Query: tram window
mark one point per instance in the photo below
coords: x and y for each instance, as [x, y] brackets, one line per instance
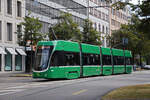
[106, 60]
[72, 58]
[128, 61]
[91, 59]
[57, 59]
[97, 60]
[85, 59]
[118, 60]
[115, 60]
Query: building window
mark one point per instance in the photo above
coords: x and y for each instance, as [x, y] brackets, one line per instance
[99, 14]
[8, 61]
[9, 31]
[0, 30]
[19, 9]
[103, 16]
[44, 28]
[99, 26]
[106, 30]
[19, 32]
[19, 28]
[113, 22]
[9, 7]
[18, 62]
[91, 11]
[95, 26]
[107, 18]
[103, 30]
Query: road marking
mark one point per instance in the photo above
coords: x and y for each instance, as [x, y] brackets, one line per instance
[79, 92]
[5, 92]
[30, 85]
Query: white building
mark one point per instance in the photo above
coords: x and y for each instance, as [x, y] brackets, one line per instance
[12, 56]
[99, 15]
[45, 10]
[118, 17]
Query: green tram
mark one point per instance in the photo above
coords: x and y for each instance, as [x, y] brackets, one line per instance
[70, 60]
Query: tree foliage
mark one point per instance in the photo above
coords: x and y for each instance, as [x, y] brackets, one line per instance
[142, 10]
[66, 29]
[138, 42]
[31, 31]
[138, 31]
[90, 35]
[144, 13]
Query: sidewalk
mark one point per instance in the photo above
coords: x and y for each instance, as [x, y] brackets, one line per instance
[21, 74]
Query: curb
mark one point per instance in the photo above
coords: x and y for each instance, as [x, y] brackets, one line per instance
[21, 75]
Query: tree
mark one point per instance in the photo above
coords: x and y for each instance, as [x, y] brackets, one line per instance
[30, 36]
[138, 41]
[31, 32]
[142, 11]
[66, 29]
[90, 35]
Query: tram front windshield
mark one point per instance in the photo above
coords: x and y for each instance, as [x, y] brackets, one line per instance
[42, 57]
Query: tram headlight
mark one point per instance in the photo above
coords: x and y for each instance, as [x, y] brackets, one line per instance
[52, 70]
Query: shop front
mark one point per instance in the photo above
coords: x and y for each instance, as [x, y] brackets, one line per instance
[12, 59]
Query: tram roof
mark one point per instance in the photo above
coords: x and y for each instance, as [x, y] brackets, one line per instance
[86, 48]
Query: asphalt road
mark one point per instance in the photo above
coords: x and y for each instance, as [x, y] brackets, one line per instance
[92, 88]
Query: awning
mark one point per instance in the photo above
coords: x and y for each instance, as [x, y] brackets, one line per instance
[12, 51]
[2, 51]
[21, 52]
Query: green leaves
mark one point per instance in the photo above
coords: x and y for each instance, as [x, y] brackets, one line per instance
[142, 10]
[138, 41]
[31, 31]
[66, 29]
[120, 4]
[90, 35]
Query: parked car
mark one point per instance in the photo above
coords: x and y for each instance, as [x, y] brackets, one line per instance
[146, 67]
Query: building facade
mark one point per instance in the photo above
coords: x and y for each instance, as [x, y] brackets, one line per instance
[12, 56]
[118, 17]
[99, 15]
[47, 10]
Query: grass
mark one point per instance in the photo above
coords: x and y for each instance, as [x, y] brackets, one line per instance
[137, 92]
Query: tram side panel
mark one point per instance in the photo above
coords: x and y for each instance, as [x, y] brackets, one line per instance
[128, 60]
[65, 60]
[118, 61]
[91, 60]
[106, 61]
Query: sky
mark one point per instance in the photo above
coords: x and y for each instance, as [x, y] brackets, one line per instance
[134, 1]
